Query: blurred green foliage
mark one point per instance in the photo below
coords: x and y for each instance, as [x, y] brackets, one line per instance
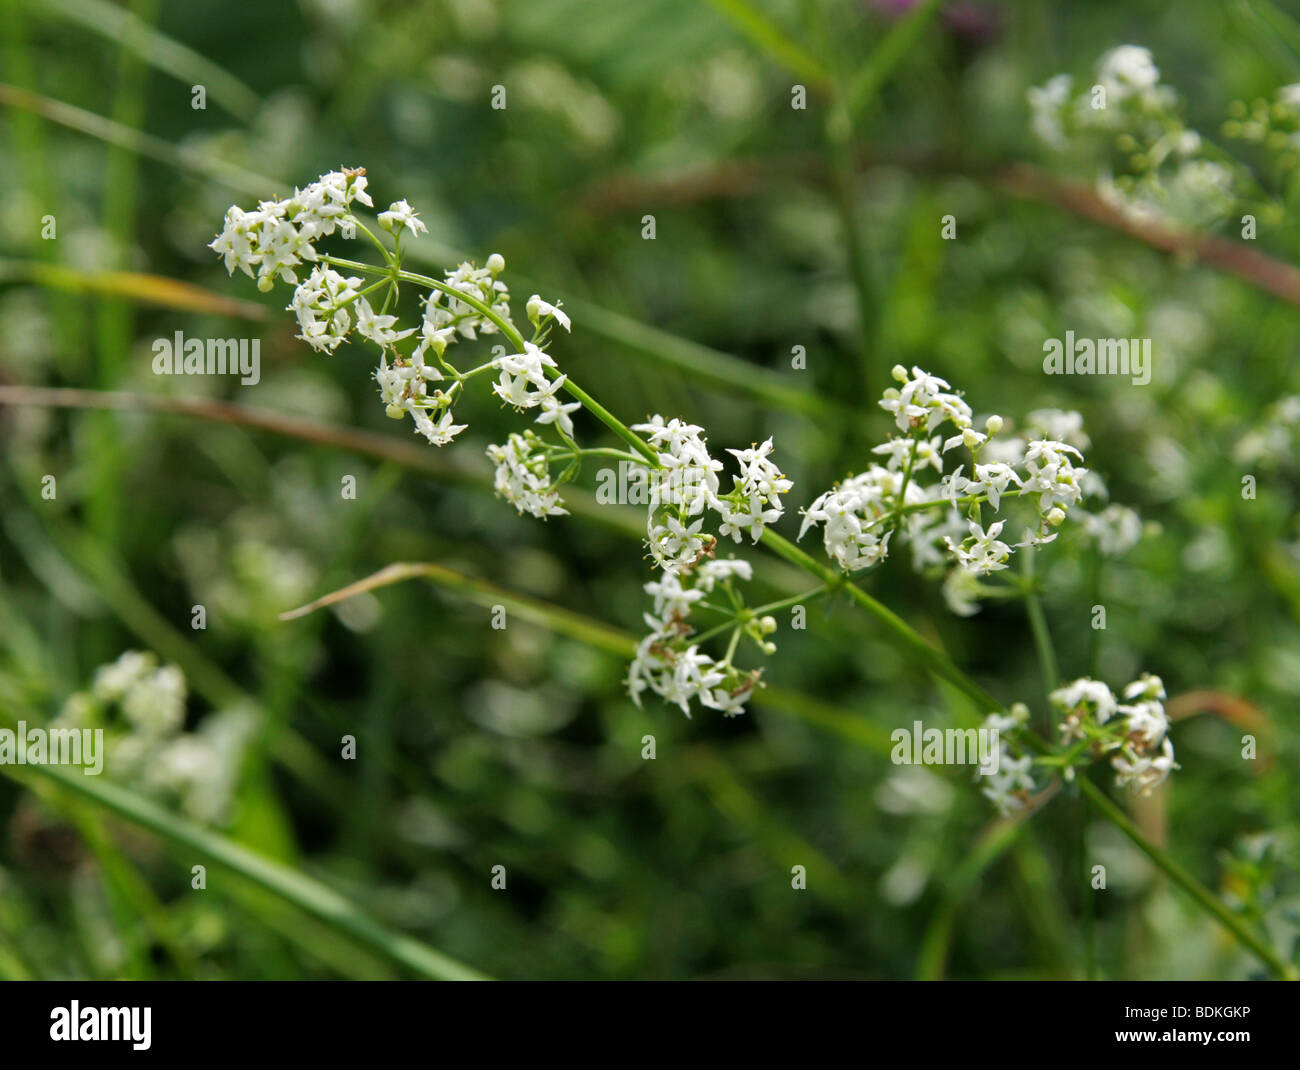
[478, 747]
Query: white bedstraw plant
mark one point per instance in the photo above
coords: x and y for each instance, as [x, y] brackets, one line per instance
[953, 519]
[1155, 165]
[1130, 732]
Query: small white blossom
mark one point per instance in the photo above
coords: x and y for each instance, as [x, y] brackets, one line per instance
[1143, 773]
[983, 552]
[524, 383]
[399, 215]
[553, 412]
[523, 476]
[538, 310]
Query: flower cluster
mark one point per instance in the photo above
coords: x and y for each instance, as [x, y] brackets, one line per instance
[444, 312]
[1156, 166]
[523, 476]
[1273, 439]
[685, 489]
[414, 376]
[140, 706]
[1115, 530]
[669, 662]
[940, 514]
[1132, 733]
[277, 236]
[1010, 787]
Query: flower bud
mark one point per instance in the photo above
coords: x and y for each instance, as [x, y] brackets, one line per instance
[496, 263]
[993, 424]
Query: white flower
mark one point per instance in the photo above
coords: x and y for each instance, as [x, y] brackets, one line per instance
[1127, 71]
[1141, 772]
[523, 476]
[155, 703]
[1059, 424]
[1147, 720]
[672, 600]
[1036, 538]
[279, 235]
[1084, 696]
[923, 402]
[439, 432]
[113, 681]
[321, 303]
[986, 553]
[749, 521]
[848, 512]
[755, 500]
[683, 487]
[759, 477]
[1147, 686]
[1009, 787]
[961, 591]
[1047, 107]
[668, 664]
[401, 386]
[1052, 474]
[523, 381]
[553, 412]
[921, 452]
[1116, 529]
[480, 284]
[993, 480]
[969, 437]
[538, 310]
[719, 570]
[399, 215]
[377, 328]
[674, 544]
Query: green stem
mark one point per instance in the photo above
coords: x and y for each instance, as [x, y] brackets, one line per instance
[837, 133]
[612, 422]
[1174, 870]
[517, 340]
[793, 600]
[1089, 904]
[1038, 625]
[899, 630]
[308, 895]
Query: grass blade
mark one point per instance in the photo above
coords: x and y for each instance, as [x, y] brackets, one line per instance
[151, 46]
[304, 892]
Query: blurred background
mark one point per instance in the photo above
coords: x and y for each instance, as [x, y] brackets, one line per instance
[776, 227]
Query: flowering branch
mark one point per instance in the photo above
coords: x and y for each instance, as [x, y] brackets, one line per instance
[1041, 468]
